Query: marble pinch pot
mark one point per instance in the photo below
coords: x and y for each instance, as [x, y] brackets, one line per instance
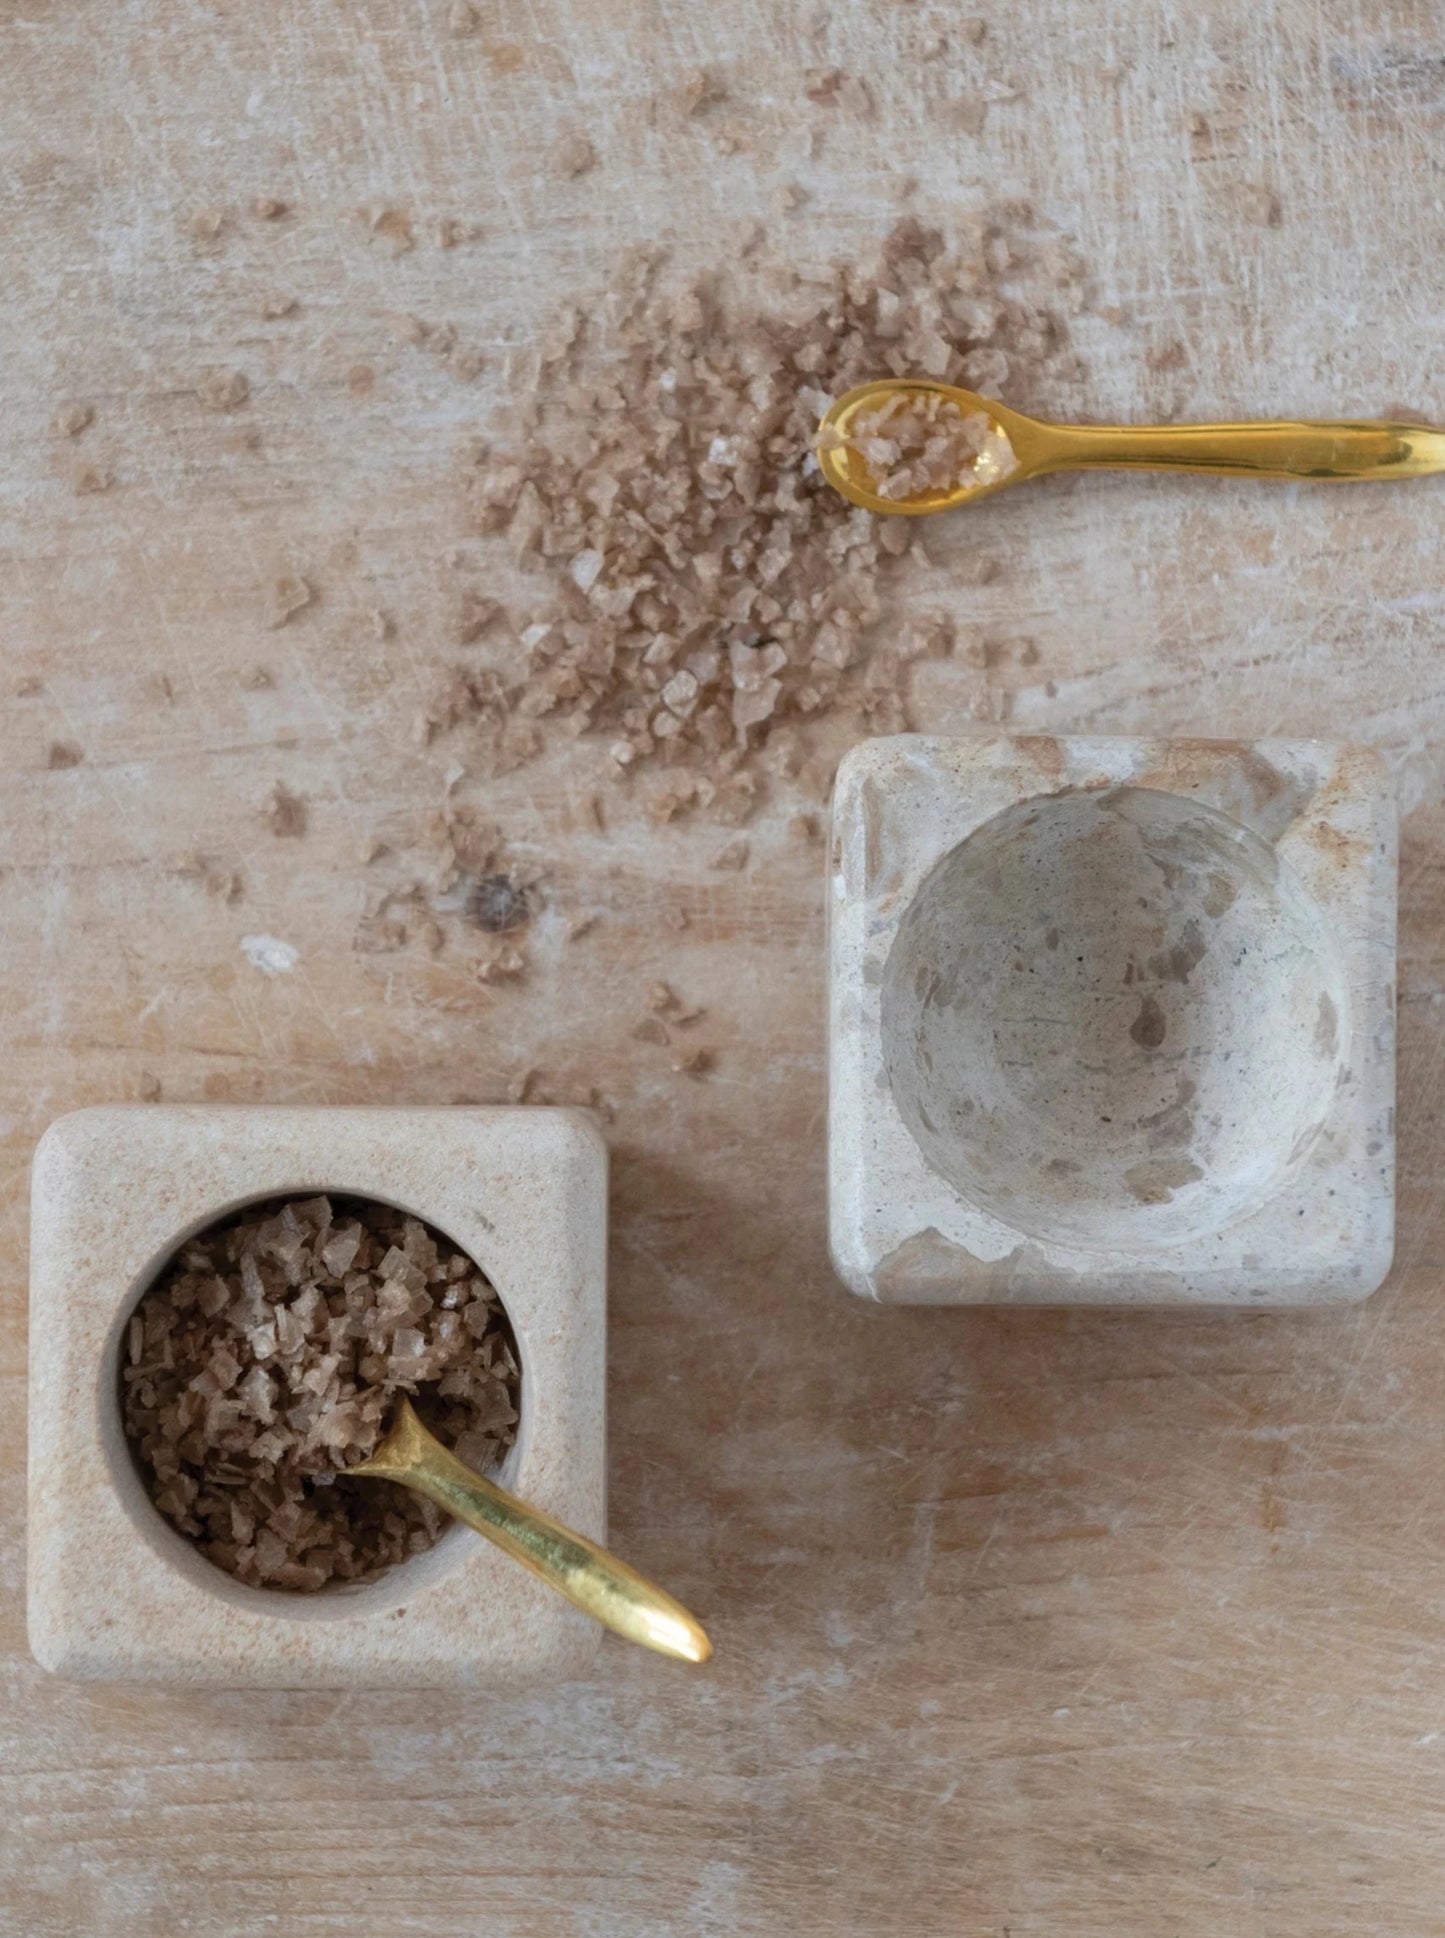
[1112, 1021]
[114, 1593]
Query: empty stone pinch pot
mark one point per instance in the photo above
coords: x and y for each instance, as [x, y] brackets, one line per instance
[115, 1592]
[1112, 1021]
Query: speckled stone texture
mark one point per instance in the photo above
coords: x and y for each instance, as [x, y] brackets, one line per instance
[114, 1593]
[1112, 1022]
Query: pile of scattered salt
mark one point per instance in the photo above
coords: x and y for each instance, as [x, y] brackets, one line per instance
[705, 585]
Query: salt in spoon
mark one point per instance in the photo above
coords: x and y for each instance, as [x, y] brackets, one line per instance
[1027, 447]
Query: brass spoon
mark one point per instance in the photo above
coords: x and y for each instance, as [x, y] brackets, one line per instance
[1281, 449]
[591, 1578]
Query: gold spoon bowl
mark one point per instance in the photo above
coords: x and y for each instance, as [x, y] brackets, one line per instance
[1278, 449]
[593, 1580]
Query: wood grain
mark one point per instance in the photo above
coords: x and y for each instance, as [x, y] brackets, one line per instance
[1026, 1623]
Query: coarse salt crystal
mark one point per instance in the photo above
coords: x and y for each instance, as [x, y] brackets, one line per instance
[680, 693]
[585, 570]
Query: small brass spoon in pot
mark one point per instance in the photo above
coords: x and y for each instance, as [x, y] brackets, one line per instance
[1280, 449]
[591, 1578]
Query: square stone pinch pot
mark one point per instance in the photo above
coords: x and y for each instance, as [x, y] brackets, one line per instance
[114, 1592]
[1112, 1022]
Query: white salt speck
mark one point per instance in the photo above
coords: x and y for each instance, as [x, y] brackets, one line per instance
[584, 570]
[681, 692]
[269, 954]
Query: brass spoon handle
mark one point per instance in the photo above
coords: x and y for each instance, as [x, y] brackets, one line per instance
[1280, 449]
[591, 1578]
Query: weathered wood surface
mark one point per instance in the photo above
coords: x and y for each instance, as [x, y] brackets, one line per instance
[1026, 1622]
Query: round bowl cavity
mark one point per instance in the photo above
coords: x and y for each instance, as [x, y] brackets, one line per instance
[389, 1590]
[1114, 1019]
